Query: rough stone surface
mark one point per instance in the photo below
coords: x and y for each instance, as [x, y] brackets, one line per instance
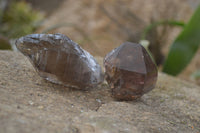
[130, 71]
[60, 60]
[30, 104]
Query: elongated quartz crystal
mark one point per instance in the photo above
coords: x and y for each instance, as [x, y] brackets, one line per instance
[60, 60]
[130, 71]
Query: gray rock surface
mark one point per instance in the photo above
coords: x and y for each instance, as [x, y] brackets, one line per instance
[30, 104]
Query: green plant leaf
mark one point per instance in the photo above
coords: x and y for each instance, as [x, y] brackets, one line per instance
[184, 47]
[158, 23]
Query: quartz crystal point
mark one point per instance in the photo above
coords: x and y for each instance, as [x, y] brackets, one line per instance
[60, 60]
[130, 71]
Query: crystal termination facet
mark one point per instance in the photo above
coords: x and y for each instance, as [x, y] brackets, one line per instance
[130, 71]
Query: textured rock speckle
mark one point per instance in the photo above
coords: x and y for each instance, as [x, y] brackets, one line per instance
[31, 104]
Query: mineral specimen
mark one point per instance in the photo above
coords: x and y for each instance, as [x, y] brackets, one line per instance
[130, 71]
[60, 60]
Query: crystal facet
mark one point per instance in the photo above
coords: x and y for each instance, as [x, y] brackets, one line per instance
[60, 60]
[130, 71]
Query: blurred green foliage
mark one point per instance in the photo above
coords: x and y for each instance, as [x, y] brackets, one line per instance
[196, 75]
[184, 47]
[19, 19]
[163, 22]
[4, 43]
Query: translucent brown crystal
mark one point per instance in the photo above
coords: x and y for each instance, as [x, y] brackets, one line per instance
[60, 60]
[130, 71]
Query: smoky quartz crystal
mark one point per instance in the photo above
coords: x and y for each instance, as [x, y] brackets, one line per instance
[60, 60]
[130, 71]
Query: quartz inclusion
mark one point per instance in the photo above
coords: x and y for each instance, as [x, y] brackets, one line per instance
[60, 60]
[130, 71]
